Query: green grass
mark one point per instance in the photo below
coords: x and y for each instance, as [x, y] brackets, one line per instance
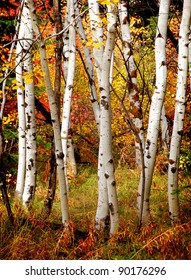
[34, 237]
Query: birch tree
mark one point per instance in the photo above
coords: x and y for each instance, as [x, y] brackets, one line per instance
[21, 113]
[143, 196]
[69, 84]
[107, 197]
[57, 87]
[30, 122]
[135, 106]
[179, 113]
[97, 35]
[189, 55]
[26, 178]
[54, 115]
[89, 68]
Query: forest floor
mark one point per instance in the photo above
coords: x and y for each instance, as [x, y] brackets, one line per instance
[37, 238]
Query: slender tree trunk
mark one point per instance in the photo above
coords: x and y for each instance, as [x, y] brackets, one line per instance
[66, 41]
[107, 200]
[179, 113]
[102, 213]
[57, 85]
[71, 166]
[30, 177]
[58, 51]
[69, 86]
[189, 56]
[21, 114]
[154, 114]
[54, 117]
[89, 69]
[97, 35]
[135, 105]
[3, 188]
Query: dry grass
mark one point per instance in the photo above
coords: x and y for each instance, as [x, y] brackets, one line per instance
[33, 237]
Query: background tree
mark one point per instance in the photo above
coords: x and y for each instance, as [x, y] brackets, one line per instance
[57, 91]
[134, 93]
[54, 117]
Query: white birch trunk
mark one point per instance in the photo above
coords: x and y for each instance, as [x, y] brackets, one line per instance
[30, 177]
[107, 183]
[71, 166]
[69, 87]
[179, 113]
[135, 106]
[154, 114]
[21, 115]
[54, 117]
[97, 35]
[66, 41]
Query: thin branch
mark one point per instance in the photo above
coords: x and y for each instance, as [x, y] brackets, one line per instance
[67, 27]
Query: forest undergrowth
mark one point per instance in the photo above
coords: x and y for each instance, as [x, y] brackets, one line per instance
[34, 237]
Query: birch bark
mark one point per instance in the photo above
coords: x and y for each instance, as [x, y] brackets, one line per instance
[97, 35]
[54, 116]
[69, 87]
[107, 198]
[179, 113]
[189, 55]
[30, 177]
[21, 114]
[102, 213]
[143, 196]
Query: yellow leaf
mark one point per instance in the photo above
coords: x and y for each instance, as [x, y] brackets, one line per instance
[28, 77]
[88, 44]
[104, 21]
[96, 45]
[15, 87]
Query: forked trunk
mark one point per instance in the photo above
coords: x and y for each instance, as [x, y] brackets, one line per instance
[54, 116]
[143, 196]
